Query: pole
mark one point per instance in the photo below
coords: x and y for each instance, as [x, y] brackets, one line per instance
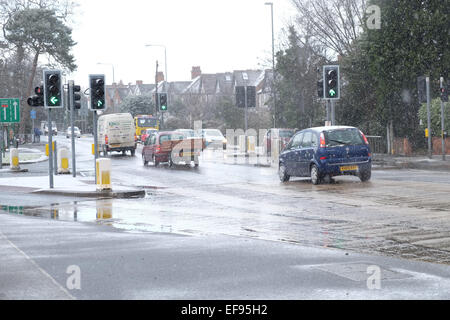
[95, 144]
[50, 148]
[55, 158]
[442, 122]
[1, 146]
[430, 151]
[156, 93]
[72, 107]
[333, 114]
[246, 120]
[273, 67]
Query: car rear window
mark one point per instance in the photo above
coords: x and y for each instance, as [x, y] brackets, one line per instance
[171, 137]
[339, 137]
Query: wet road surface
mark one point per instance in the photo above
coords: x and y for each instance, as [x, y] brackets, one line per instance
[401, 213]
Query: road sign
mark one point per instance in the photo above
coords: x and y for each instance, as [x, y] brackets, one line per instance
[33, 114]
[10, 110]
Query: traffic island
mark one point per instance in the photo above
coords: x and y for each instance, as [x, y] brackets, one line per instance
[117, 193]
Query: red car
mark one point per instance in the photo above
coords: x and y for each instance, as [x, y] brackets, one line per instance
[146, 133]
[284, 135]
[159, 147]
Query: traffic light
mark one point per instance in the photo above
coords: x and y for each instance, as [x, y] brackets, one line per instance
[97, 89]
[331, 76]
[251, 97]
[444, 92]
[163, 101]
[240, 97]
[53, 89]
[38, 99]
[320, 88]
[76, 97]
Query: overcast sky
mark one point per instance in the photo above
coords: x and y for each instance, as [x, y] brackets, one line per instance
[217, 35]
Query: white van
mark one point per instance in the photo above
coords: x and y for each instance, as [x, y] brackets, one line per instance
[116, 132]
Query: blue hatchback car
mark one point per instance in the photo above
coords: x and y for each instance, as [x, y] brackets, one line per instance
[324, 152]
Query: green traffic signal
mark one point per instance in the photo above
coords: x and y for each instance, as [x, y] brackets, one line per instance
[332, 93]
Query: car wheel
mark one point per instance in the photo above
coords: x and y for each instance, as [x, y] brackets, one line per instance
[133, 152]
[315, 178]
[365, 175]
[282, 173]
[170, 161]
[154, 161]
[145, 162]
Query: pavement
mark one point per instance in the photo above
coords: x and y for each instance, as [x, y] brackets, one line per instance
[64, 184]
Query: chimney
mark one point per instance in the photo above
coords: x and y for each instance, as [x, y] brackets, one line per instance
[139, 82]
[195, 72]
[160, 76]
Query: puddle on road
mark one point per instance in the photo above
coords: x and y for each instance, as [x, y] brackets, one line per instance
[151, 214]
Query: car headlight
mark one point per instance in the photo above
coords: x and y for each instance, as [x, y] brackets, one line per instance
[224, 140]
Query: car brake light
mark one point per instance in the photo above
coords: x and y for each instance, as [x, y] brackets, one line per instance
[106, 139]
[369, 154]
[323, 158]
[158, 149]
[322, 140]
[135, 137]
[364, 137]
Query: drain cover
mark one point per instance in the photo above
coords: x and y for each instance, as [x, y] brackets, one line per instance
[358, 271]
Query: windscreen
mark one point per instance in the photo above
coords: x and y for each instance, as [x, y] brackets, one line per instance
[147, 122]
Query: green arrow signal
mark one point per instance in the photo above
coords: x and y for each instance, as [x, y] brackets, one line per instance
[54, 100]
[332, 92]
[99, 103]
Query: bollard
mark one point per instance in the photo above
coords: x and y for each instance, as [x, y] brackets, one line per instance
[14, 159]
[251, 143]
[103, 174]
[104, 209]
[63, 161]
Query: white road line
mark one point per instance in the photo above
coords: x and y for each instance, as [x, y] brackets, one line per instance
[39, 268]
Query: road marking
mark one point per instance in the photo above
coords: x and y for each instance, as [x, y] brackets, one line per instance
[2, 235]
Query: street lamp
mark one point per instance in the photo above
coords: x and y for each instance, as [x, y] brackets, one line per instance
[273, 66]
[109, 64]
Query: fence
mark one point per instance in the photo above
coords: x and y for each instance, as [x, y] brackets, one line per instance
[377, 144]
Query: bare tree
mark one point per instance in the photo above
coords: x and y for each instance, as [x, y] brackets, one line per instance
[333, 24]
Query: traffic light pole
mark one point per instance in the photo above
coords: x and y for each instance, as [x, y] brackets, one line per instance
[72, 107]
[50, 148]
[442, 122]
[95, 145]
[333, 113]
[246, 121]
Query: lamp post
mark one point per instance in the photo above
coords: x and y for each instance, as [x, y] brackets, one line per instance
[273, 66]
[165, 57]
[165, 76]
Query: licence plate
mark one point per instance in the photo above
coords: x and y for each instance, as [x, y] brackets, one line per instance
[187, 154]
[349, 168]
[114, 145]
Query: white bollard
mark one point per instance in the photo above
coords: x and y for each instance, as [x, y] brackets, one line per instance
[242, 144]
[103, 174]
[63, 161]
[14, 159]
[252, 144]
